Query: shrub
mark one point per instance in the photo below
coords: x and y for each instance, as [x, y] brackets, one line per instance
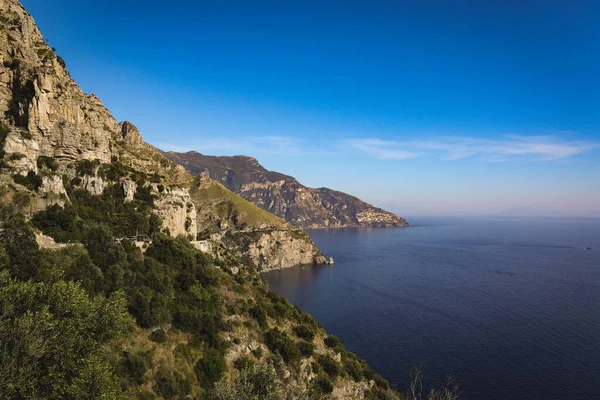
[304, 332]
[60, 223]
[87, 167]
[242, 363]
[329, 365]
[32, 181]
[136, 365]
[279, 342]
[210, 367]
[354, 369]
[170, 383]
[381, 382]
[323, 384]
[55, 359]
[158, 336]
[332, 342]
[258, 352]
[306, 348]
[257, 382]
[49, 162]
[258, 313]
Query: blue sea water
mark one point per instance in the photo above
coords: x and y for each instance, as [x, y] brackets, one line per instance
[510, 307]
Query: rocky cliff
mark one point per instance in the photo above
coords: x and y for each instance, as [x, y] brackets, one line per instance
[284, 196]
[256, 236]
[55, 133]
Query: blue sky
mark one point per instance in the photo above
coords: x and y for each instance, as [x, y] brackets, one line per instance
[423, 107]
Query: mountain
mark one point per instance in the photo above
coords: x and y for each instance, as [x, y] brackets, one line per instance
[122, 276]
[284, 196]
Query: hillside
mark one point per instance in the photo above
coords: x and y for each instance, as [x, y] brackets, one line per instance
[284, 196]
[87, 313]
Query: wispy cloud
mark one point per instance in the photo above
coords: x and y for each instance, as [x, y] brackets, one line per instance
[507, 148]
[248, 145]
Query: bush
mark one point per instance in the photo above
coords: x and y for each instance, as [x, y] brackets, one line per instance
[381, 382]
[354, 369]
[158, 336]
[243, 362]
[49, 162]
[32, 181]
[323, 384]
[332, 342]
[62, 224]
[279, 342]
[136, 365]
[257, 382]
[170, 383]
[87, 167]
[258, 313]
[304, 332]
[54, 333]
[211, 367]
[306, 348]
[329, 365]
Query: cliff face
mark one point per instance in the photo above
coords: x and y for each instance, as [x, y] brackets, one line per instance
[284, 196]
[51, 121]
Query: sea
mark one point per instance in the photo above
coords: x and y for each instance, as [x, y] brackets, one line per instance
[509, 307]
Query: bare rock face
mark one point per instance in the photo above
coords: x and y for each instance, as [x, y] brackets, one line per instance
[94, 184]
[129, 187]
[53, 184]
[21, 152]
[39, 95]
[178, 212]
[131, 135]
[269, 249]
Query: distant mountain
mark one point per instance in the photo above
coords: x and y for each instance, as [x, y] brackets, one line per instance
[284, 196]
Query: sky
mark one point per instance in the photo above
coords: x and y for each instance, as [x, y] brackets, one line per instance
[422, 107]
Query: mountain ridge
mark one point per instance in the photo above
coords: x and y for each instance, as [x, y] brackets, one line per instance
[284, 196]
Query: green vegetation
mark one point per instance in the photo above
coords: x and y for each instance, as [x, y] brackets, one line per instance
[280, 343]
[47, 162]
[256, 382]
[230, 206]
[31, 181]
[158, 336]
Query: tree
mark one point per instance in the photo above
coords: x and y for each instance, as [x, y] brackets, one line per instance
[21, 247]
[52, 337]
[154, 224]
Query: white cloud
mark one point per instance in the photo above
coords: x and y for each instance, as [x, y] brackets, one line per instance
[507, 148]
[248, 145]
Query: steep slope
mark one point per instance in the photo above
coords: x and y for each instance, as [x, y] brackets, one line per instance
[51, 121]
[284, 196]
[103, 318]
[256, 236]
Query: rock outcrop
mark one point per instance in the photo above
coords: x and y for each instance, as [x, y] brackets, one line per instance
[257, 237]
[178, 212]
[284, 196]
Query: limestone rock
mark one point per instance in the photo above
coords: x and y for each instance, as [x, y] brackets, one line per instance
[93, 184]
[53, 184]
[177, 211]
[18, 146]
[129, 187]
